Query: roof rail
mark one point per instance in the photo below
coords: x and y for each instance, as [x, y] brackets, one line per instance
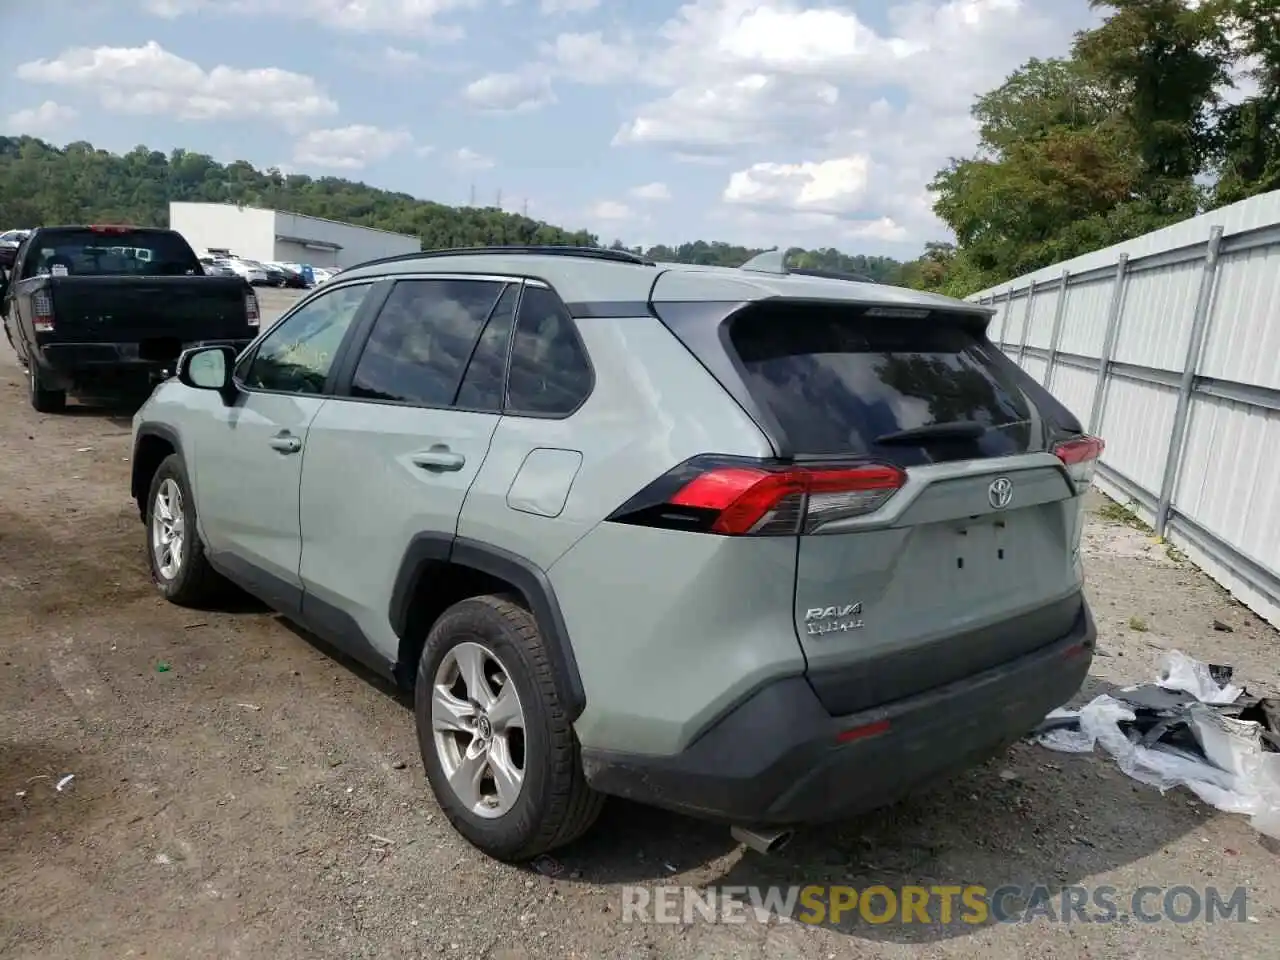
[551, 250]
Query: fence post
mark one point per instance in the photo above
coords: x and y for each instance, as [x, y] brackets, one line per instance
[1058, 312]
[1109, 343]
[1195, 344]
[1004, 317]
[1026, 320]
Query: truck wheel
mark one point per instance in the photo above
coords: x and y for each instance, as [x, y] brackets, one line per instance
[44, 401]
[500, 755]
[179, 567]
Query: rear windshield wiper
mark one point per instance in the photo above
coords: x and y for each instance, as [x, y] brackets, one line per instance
[960, 430]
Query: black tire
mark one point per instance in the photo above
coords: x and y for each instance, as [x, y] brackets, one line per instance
[196, 583]
[555, 805]
[42, 400]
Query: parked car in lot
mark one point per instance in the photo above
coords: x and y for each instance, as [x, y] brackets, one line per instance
[216, 268]
[248, 270]
[290, 275]
[760, 547]
[322, 274]
[10, 240]
[276, 276]
[106, 310]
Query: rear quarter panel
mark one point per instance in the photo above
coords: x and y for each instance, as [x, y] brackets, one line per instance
[665, 627]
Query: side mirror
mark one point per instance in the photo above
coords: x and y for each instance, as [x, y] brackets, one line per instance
[208, 368]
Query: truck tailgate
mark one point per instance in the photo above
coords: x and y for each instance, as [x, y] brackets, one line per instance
[133, 309]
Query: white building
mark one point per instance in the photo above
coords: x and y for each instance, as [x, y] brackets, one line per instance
[267, 235]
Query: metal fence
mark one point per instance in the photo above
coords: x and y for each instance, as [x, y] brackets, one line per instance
[1168, 347]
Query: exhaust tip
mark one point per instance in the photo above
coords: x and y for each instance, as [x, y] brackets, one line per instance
[762, 841]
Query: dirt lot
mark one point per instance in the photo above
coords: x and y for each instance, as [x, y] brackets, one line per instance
[239, 792]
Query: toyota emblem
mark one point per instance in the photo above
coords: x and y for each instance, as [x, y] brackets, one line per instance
[1000, 492]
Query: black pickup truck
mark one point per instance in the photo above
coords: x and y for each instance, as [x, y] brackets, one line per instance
[104, 311]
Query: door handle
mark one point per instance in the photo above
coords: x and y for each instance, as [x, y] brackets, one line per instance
[285, 443]
[439, 458]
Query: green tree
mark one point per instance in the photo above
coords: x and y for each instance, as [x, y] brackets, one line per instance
[40, 184]
[1247, 155]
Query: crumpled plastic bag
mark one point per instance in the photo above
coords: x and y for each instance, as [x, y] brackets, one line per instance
[1237, 775]
[1180, 672]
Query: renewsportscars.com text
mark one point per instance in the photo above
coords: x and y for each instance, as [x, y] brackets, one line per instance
[971, 904]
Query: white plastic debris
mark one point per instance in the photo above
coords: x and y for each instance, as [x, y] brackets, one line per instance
[1065, 739]
[62, 784]
[1185, 674]
[1235, 775]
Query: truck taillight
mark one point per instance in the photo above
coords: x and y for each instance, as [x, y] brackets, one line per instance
[251, 315]
[753, 498]
[42, 311]
[1080, 455]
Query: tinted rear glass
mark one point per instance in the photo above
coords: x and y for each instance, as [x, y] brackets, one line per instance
[91, 253]
[836, 380]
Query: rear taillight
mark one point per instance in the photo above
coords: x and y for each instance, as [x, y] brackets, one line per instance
[1080, 456]
[42, 311]
[749, 498]
[251, 315]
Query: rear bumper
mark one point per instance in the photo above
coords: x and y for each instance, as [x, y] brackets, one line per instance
[65, 365]
[776, 759]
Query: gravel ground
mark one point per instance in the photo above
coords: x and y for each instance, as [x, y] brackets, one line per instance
[241, 792]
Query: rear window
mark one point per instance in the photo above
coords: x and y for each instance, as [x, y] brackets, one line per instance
[94, 253]
[838, 382]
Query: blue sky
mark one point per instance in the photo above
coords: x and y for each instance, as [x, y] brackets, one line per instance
[752, 121]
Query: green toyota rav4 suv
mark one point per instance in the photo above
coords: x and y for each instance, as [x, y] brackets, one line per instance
[757, 545]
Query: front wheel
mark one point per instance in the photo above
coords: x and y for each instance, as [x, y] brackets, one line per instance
[499, 752]
[179, 567]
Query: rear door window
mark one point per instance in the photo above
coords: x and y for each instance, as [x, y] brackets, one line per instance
[486, 375]
[422, 341]
[843, 383]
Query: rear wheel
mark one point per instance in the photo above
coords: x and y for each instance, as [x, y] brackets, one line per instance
[499, 752]
[44, 401]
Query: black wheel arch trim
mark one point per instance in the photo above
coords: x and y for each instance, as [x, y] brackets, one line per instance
[147, 429]
[530, 580]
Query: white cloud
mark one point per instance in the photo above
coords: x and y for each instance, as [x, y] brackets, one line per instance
[828, 186]
[554, 7]
[611, 210]
[589, 58]
[151, 80]
[510, 92]
[420, 17]
[398, 59]
[792, 91]
[651, 191]
[46, 118]
[467, 159]
[752, 109]
[349, 148]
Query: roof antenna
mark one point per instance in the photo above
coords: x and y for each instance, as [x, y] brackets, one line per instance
[770, 261]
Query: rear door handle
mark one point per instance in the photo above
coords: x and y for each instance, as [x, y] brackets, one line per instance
[285, 443]
[439, 458]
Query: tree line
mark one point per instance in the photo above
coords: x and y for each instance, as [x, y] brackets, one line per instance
[1140, 126]
[43, 184]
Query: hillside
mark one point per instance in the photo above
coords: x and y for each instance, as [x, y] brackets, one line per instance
[40, 183]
